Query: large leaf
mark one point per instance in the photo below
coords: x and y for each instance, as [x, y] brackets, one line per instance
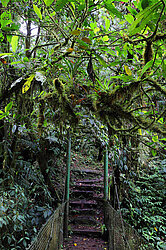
[110, 7]
[107, 24]
[60, 4]
[14, 43]
[129, 18]
[132, 11]
[27, 84]
[101, 60]
[8, 107]
[142, 18]
[127, 70]
[5, 19]
[2, 116]
[37, 11]
[122, 77]
[6, 54]
[147, 66]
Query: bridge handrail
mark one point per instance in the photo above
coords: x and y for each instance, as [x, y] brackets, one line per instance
[122, 235]
[50, 236]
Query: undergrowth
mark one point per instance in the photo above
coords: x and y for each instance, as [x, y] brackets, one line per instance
[25, 198]
[144, 205]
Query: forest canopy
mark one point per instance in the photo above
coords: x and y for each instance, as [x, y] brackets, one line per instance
[107, 57]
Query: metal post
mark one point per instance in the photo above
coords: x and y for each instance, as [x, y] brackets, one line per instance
[67, 187]
[106, 190]
[106, 174]
[68, 167]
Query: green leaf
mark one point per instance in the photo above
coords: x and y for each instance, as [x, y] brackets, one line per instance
[155, 138]
[105, 38]
[24, 243]
[13, 63]
[101, 60]
[14, 43]
[6, 54]
[154, 153]
[2, 116]
[27, 84]
[48, 2]
[9, 38]
[5, 19]
[60, 4]
[132, 11]
[110, 7]
[107, 24]
[142, 18]
[15, 26]
[8, 107]
[147, 66]
[163, 139]
[5, 2]
[12, 27]
[1, 36]
[122, 77]
[25, 59]
[129, 18]
[37, 11]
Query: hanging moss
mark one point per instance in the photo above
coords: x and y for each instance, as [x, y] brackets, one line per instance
[58, 99]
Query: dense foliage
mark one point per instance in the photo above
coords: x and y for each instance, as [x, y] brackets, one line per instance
[145, 208]
[142, 192]
[97, 68]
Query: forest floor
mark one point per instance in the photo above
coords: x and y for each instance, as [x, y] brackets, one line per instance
[86, 219]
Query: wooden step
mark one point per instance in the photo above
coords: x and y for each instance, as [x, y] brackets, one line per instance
[96, 233]
[90, 181]
[83, 203]
[84, 220]
[88, 186]
[82, 193]
[87, 171]
[83, 211]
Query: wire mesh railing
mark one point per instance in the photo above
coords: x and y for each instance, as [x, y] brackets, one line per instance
[121, 235]
[50, 236]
